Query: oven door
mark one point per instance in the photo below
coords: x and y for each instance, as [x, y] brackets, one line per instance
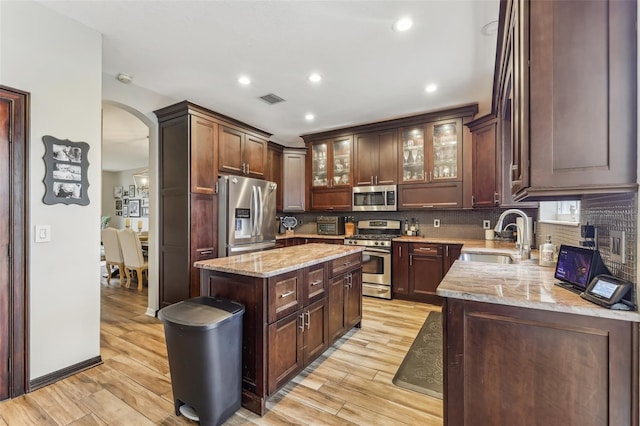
[376, 266]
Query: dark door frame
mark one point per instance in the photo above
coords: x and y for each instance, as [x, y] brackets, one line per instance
[18, 274]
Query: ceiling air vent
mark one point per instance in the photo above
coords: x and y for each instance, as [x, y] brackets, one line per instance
[271, 99]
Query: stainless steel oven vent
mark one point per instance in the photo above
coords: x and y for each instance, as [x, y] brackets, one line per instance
[271, 99]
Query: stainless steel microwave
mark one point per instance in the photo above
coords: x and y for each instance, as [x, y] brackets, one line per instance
[375, 198]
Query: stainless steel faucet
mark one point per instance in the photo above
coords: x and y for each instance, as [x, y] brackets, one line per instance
[525, 246]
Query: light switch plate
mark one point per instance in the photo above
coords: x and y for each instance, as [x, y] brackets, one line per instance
[42, 233]
[617, 246]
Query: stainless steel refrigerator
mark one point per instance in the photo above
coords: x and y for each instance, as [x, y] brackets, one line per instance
[247, 208]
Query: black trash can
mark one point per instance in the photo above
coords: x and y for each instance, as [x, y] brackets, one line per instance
[204, 344]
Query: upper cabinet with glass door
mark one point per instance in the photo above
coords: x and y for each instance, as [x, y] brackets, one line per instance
[331, 163]
[432, 153]
[445, 148]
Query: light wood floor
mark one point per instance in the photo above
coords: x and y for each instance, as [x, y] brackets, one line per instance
[349, 384]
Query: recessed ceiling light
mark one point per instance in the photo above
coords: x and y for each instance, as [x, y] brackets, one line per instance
[309, 117]
[403, 24]
[244, 80]
[315, 77]
[431, 88]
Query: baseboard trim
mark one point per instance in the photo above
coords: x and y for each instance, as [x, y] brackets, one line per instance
[63, 373]
[151, 312]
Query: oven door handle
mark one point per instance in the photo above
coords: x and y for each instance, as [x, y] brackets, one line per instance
[374, 250]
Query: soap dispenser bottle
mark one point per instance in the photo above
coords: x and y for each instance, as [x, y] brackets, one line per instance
[547, 253]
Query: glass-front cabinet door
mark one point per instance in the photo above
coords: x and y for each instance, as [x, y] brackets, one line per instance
[413, 155]
[331, 163]
[445, 150]
[319, 170]
[341, 162]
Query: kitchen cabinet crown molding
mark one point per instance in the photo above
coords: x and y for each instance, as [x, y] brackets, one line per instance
[439, 115]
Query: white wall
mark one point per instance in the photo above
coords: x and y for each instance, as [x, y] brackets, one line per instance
[59, 62]
[124, 179]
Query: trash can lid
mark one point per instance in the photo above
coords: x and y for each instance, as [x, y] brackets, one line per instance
[201, 312]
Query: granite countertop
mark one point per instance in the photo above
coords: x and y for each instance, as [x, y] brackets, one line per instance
[269, 263]
[524, 284]
[304, 235]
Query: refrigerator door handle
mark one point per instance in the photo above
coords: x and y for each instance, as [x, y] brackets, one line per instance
[254, 211]
[260, 211]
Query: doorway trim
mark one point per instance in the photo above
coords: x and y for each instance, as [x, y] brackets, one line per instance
[18, 276]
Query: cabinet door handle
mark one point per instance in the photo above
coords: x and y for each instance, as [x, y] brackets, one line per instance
[373, 182]
[288, 293]
[308, 320]
[315, 283]
[410, 260]
[302, 321]
[447, 248]
[248, 170]
[473, 200]
[400, 251]
[429, 175]
[496, 198]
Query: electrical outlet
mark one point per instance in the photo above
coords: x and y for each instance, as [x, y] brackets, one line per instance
[617, 246]
[436, 223]
[486, 224]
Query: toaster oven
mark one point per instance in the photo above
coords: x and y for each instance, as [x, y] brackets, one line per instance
[330, 225]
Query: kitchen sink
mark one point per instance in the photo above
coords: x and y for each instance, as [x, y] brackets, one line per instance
[485, 257]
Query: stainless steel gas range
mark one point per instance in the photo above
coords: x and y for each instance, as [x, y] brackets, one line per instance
[376, 236]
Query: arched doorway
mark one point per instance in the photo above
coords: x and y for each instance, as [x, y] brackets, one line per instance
[129, 135]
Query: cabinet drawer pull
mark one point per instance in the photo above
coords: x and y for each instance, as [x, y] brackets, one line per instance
[206, 252]
[346, 264]
[288, 293]
[315, 283]
[424, 249]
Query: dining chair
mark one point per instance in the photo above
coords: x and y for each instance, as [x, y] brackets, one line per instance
[133, 258]
[113, 253]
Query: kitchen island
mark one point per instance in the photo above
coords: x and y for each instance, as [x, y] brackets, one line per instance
[520, 350]
[298, 301]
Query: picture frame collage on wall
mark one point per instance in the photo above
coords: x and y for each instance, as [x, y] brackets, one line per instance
[66, 166]
[131, 201]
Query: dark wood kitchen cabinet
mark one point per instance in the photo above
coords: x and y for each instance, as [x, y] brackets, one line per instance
[345, 295]
[376, 158]
[485, 162]
[188, 214]
[274, 173]
[451, 254]
[569, 136]
[507, 365]
[417, 270]
[330, 174]
[287, 319]
[242, 152]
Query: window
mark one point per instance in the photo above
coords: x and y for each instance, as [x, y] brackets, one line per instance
[561, 212]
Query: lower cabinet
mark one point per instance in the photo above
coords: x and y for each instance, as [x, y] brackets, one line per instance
[345, 303]
[290, 319]
[419, 267]
[506, 365]
[295, 341]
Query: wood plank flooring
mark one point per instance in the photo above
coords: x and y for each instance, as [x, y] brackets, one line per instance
[350, 384]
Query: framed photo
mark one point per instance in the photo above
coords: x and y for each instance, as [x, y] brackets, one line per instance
[117, 191]
[145, 202]
[125, 193]
[132, 191]
[119, 213]
[134, 208]
[145, 211]
[125, 201]
[125, 211]
[144, 193]
[65, 179]
[118, 205]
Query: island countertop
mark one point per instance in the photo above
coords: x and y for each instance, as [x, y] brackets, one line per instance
[524, 284]
[274, 262]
